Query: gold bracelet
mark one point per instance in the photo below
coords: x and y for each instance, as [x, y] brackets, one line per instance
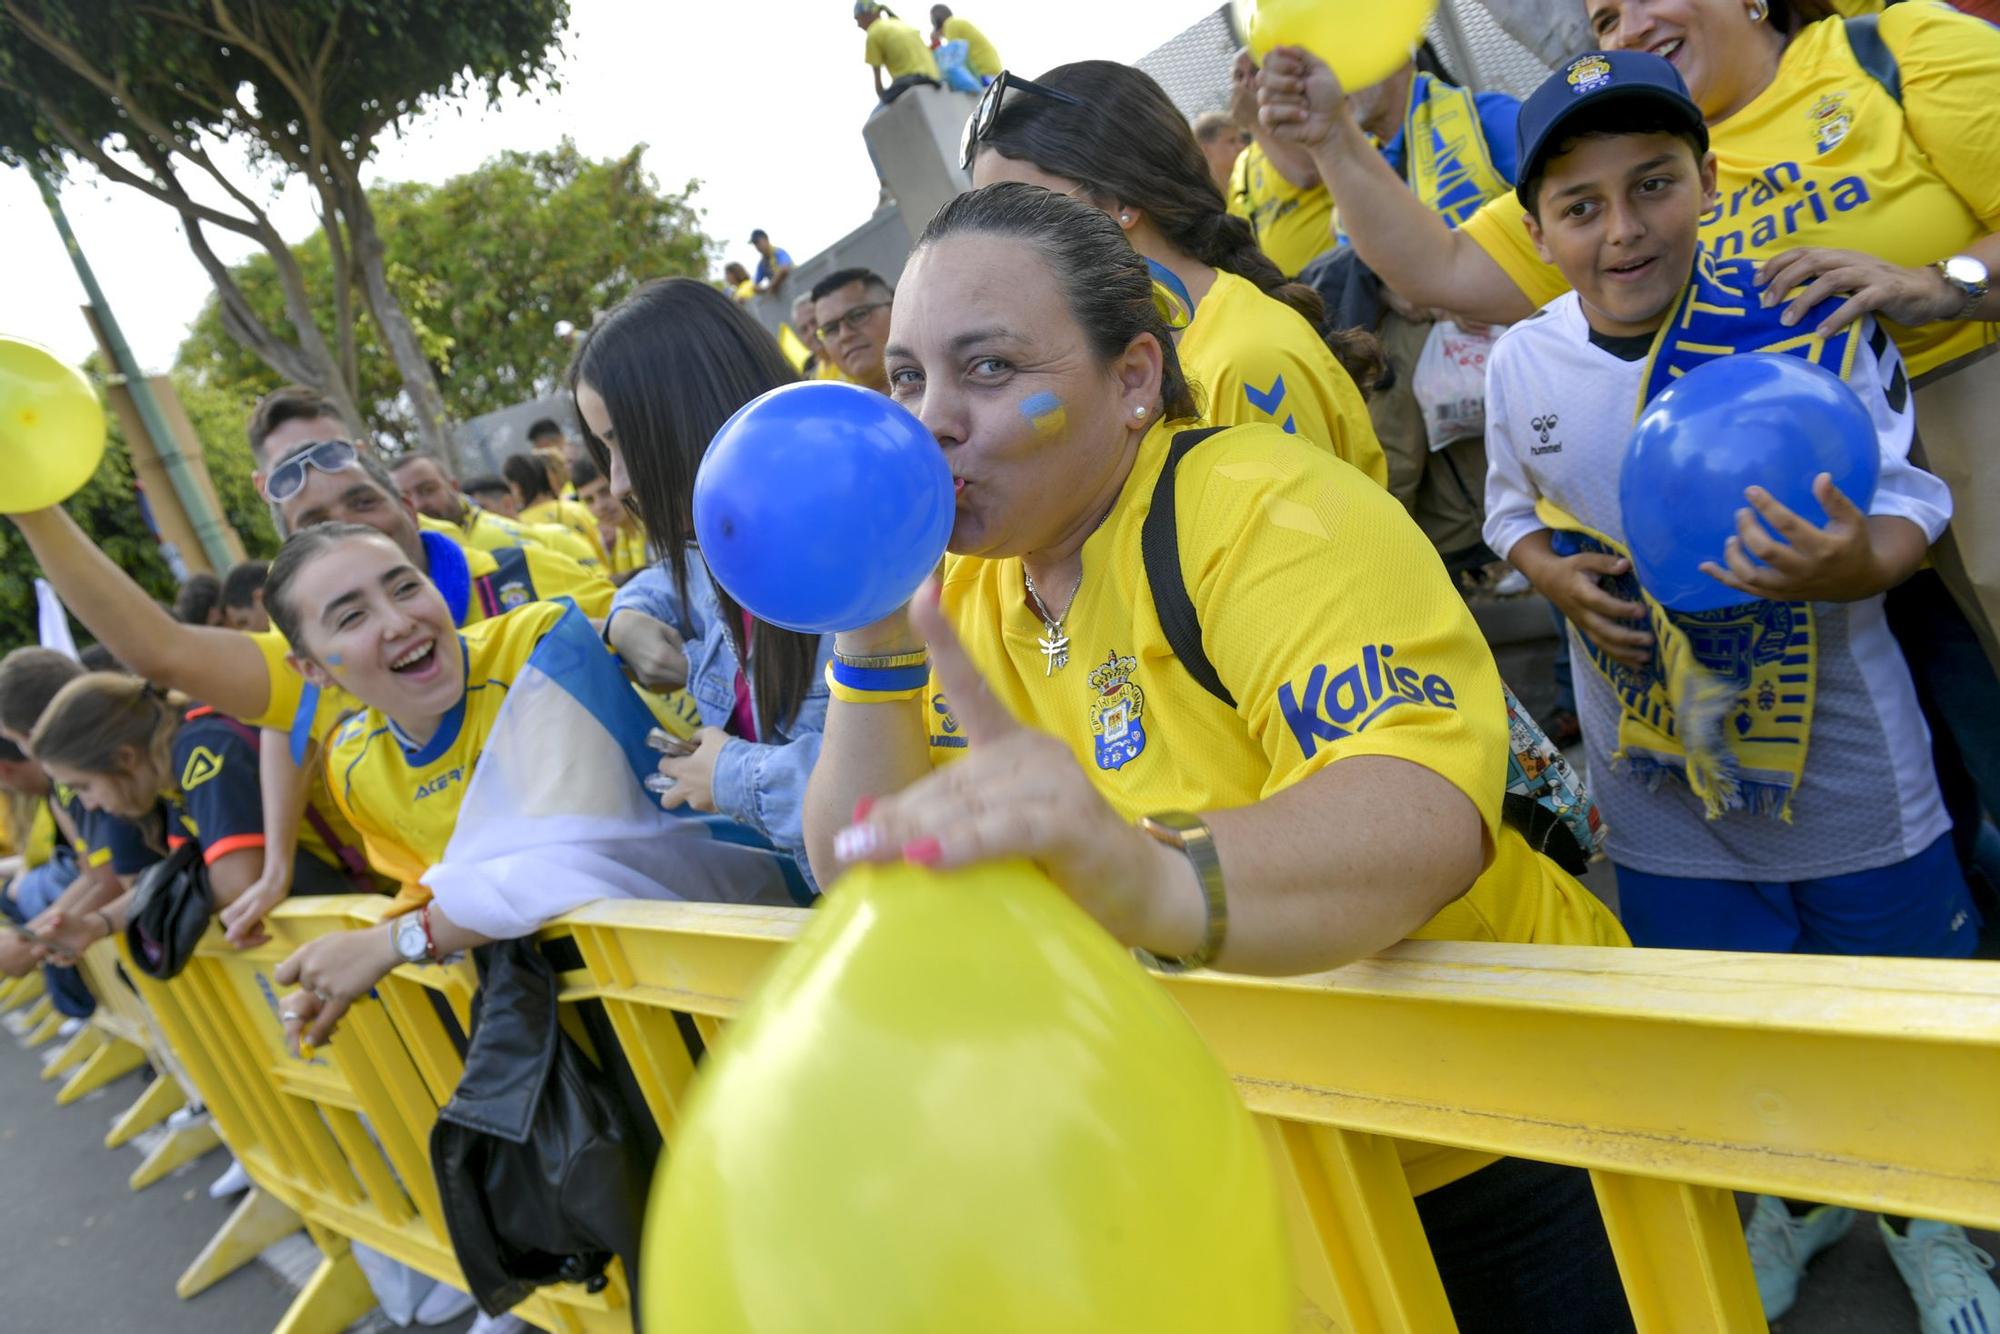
[880, 661]
[1188, 834]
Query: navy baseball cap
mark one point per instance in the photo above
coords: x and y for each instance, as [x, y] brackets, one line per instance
[1583, 88]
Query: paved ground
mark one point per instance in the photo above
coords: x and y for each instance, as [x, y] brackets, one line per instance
[86, 1255]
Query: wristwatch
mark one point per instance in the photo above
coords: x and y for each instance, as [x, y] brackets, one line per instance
[413, 943]
[1188, 834]
[1967, 276]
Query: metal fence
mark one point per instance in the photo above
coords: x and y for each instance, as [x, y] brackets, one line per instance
[1194, 66]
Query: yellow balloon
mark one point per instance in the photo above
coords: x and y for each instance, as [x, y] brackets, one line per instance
[51, 428]
[1365, 41]
[956, 1104]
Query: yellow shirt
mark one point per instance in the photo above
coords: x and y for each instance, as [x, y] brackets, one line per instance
[405, 801]
[895, 46]
[1255, 359]
[1825, 157]
[1331, 621]
[576, 518]
[40, 844]
[628, 553]
[826, 368]
[1293, 225]
[980, 57]
[483, 530]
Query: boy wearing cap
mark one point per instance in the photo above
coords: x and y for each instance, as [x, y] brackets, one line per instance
[1763, 770]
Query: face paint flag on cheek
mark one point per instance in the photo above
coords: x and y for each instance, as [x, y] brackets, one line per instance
[1045, 413]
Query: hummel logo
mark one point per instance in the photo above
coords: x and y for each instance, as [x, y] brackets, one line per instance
[1544, 425]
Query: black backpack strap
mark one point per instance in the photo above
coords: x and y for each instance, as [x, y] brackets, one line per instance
[1864, 34]
[1160, 550]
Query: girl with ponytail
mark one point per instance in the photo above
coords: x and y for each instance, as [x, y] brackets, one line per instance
[178, 772]
[1107, 135]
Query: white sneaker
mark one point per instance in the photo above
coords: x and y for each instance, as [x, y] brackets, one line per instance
[442, 1305]
[508, 1323]
[232, 1182]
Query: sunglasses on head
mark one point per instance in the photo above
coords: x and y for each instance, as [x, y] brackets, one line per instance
[981, 123]
[289, 478]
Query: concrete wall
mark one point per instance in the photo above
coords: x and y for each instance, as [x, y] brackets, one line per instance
[484, 442]
[914, 142]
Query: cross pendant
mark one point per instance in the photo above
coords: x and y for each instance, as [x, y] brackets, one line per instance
[1055, 650]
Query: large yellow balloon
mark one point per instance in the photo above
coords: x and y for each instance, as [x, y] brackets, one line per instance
[956, 1105]
[1365, 41]
[51, 428]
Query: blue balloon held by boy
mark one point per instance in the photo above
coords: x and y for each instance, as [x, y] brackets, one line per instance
[821, 507]
[1759, 419]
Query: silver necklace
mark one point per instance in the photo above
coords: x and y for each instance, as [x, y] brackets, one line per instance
[1054, 644]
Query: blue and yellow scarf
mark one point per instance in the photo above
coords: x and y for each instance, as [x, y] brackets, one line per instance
[1444, 148]
[1726, 703]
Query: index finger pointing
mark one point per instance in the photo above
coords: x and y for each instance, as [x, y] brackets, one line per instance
[965, 690]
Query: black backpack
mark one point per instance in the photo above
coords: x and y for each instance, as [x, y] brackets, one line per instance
[1546, 799]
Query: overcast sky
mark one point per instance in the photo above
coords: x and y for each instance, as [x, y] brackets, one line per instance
[763, 104]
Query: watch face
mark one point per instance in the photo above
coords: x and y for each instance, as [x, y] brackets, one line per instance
[410, 941]
[1965, 270]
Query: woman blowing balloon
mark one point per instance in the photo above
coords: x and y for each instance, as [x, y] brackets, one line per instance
[1108, 135]
[654, 382]
[1340, 793]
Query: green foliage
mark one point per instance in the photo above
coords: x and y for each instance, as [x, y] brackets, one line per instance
[485, 264]
[237, 67]
[108, 509]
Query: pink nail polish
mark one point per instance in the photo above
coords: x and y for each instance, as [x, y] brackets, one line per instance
[923, 851]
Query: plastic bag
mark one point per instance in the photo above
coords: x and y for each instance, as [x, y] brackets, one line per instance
[1450, 383]
[958, 76]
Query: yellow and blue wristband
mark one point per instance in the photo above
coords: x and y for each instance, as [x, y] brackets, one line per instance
[878, 680]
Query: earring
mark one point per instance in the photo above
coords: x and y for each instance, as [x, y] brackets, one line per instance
[1138, 412]
[1759, 10]
[1125, 219]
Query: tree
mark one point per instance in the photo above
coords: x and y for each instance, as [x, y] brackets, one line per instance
[108, 509]
[485, 264]
[146, 92]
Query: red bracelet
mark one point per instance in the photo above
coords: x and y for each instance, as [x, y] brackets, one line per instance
[430, 941]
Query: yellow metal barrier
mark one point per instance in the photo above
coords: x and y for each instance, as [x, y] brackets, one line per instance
[1675, 1078]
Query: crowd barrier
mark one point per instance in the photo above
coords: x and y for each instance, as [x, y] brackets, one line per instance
[1674, 1077]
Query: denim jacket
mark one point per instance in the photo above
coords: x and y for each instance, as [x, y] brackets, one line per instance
[761, 784]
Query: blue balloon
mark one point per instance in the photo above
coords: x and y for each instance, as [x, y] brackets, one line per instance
[1758, 419]
[821, 506]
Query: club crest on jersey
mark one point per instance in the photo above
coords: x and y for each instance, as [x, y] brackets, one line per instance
[1831, 120]
[514, 594]
[1333, 706]
[1116, 708]
[1586, 73]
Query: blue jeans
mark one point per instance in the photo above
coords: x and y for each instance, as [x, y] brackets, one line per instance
[1960, 696]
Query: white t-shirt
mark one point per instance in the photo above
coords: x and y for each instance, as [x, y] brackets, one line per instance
[1559, 411]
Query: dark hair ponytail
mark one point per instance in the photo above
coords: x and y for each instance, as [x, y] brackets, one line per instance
[673, 362]
[1126, 141]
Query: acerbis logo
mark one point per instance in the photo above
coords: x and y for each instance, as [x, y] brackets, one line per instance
[432, 787]
[1334, 706]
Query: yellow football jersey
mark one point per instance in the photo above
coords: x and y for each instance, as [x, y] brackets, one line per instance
[896, 47]
[980, 56]
[628, 553]
[483, 530]
[1826, 157]
[1252, 359]
[1330, 619]
[404, 799]
[575, 518]
[1293, 225]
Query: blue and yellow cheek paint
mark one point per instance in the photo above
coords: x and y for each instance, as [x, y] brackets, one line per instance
[1046, 414]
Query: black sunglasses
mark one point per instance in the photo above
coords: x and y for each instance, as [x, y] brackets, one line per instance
[289, 478]
[981, 122]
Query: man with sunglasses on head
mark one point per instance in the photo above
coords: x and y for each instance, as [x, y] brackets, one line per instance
[852, 307]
